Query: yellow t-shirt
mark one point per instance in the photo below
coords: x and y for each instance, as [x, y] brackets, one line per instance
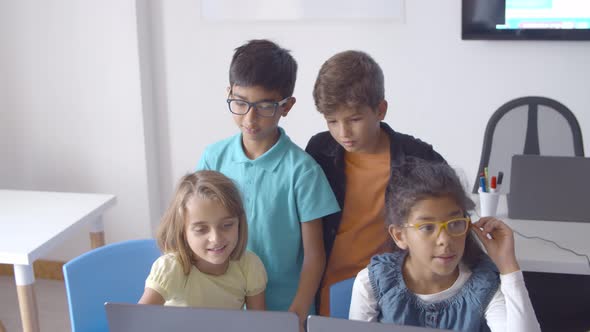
[244, 277]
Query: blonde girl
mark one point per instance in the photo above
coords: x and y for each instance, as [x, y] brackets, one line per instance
[203, 235]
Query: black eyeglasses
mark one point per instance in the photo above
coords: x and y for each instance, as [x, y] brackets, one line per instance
[263, 108]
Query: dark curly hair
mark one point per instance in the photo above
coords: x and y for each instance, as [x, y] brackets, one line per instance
[416, 180]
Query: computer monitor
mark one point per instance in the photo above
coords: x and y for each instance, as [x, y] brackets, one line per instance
[551, 188]
[526, 19]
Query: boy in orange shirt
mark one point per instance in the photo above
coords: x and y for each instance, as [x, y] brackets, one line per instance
[357, 154]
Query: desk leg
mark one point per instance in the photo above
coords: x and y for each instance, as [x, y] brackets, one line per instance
[25, 282]
[97, 233]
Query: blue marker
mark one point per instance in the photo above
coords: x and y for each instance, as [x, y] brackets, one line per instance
[482, 184]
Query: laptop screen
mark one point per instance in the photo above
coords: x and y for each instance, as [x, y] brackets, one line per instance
[549, 188]
[125, 317]
[327, 324]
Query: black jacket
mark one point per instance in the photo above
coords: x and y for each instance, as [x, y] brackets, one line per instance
[330, 155]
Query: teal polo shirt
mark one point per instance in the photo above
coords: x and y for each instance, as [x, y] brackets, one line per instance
[280, 189]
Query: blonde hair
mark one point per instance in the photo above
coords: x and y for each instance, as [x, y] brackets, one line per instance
[171, 235]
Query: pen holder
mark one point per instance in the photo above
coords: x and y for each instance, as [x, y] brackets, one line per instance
[488, 203]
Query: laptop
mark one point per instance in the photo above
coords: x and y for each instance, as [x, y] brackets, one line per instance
[549, 188]
[127, 317]
[327, 324]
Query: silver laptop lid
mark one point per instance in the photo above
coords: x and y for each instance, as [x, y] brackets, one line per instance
[327, 324]
[126, 317]
[549, 188]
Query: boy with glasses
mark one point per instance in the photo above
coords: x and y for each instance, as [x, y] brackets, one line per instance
[285, 191]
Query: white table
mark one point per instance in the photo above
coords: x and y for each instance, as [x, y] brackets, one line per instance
[34, 222]
[535, 255]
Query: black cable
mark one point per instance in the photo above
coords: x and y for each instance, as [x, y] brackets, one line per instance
[555, 244]
[547, 240]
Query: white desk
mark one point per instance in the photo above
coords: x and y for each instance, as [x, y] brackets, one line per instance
[32, 223]
[536, 255]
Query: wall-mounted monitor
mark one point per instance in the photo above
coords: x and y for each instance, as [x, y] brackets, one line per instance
[526, 19]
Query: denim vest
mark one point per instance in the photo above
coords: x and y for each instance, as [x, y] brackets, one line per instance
[462, 312]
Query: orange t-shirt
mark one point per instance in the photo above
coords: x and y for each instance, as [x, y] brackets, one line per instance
[362, 232]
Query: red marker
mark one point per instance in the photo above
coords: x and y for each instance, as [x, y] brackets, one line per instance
[493, 185]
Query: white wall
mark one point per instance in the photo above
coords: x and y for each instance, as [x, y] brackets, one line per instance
[122, 96]
[439, 88]
[71, 111]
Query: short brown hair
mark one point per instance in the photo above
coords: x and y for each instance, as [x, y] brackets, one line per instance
[349, 78]
[203, 184]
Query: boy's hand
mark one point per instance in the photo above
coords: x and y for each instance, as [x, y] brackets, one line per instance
[301, 313]
[500, 246]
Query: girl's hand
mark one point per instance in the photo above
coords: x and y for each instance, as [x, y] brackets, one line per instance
[500, 246]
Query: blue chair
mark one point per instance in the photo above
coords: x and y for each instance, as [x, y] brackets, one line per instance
[340, 295]
[113, 273]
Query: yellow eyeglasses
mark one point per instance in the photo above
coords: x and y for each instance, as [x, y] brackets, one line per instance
[454, 227]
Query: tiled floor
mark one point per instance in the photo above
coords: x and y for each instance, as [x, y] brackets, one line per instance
[51, 302]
